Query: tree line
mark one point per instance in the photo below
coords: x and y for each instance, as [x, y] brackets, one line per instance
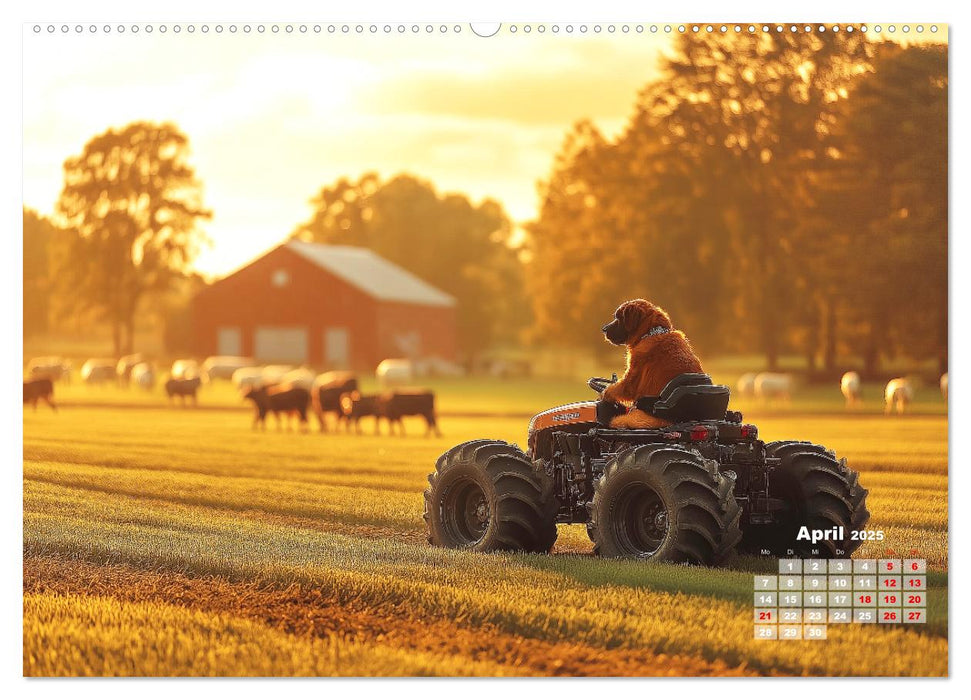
[777, 191]
[785, 193]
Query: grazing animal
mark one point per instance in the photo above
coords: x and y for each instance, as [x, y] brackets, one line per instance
[96, 371]
[299, 377]
[852, 389]
[772, 385]
[125, 365]
[184, 388]
[899, 393]
[223, 366]
[326, 394]
[291, 400]
[355, 406]
[273, 374]
[247, 377]
[54, 368]
[143, 376]
[394, 372]
[656, 354]
[39, 389]
[746, 385]
[185, 369]
[944, 385]
[397, 404]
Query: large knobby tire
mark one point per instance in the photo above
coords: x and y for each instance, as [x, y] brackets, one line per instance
[486, 495]
[820, 492]
[664, 503]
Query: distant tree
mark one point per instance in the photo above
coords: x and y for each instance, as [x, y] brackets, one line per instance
[461, 248]
[700, 203]
[135, 203]
[39, 239]
[887, 189]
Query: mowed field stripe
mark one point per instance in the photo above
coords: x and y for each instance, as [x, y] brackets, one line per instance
[518, 594]
[304, 612]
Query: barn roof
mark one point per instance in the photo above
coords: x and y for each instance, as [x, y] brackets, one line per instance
[371, 273]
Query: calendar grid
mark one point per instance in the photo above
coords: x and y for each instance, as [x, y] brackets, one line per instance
[809, 595]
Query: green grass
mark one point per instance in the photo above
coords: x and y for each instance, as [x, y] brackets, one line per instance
[197, 492]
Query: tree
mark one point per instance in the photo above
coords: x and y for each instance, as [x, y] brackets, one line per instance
[700, 203]
[135, 203]
[39, 238]
[888, 190]
[459, 247]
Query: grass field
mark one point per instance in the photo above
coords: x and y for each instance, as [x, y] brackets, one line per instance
[168, 541]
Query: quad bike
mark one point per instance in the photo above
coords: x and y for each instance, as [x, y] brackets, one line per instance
[693, 491]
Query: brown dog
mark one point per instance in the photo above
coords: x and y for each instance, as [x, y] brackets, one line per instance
[656, 354]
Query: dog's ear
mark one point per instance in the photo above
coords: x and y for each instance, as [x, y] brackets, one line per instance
[631, 313]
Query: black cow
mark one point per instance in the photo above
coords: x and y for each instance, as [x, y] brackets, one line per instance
[186, 388]
[40, 389]
[327, 391]
[354, 406]
[397, 404]
[291, 400]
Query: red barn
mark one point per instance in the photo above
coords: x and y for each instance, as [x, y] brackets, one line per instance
[328, 306]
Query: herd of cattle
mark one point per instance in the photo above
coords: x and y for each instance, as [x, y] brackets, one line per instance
[897, 395]
[296, 392]
[282, 390]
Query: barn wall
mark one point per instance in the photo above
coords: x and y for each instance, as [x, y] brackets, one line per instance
[400, 323]
[313, 299]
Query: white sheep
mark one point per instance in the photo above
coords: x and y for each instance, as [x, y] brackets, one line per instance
[851, 387]
[143, 375]
[300, 377]
[99, 371]
[899, 393]
[185, 369]
[273, 374]
[746, 385]
[772, 385]
[223, 366]
[394, 372]
[247, 377]
[944, 385]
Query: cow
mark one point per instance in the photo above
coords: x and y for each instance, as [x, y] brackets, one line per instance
[326, 394]
[185, 388]
[416, 402]
[291, 400]
[355, 406]
[53, 368]
[39, 389]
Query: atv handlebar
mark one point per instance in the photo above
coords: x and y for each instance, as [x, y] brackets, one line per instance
[598, 384]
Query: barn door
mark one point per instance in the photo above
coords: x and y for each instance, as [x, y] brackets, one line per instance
[229, 341]
[337, 348]
[280, 344]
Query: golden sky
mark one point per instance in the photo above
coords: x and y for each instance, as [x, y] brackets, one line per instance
[273, 117]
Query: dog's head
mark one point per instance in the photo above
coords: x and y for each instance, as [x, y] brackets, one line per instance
[633, 319]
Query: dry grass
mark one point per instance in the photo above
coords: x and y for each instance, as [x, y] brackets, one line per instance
[169, 498]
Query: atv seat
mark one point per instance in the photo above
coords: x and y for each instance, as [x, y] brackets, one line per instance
[689, 396]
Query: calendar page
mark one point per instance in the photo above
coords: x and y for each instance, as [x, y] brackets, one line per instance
[414, 347]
